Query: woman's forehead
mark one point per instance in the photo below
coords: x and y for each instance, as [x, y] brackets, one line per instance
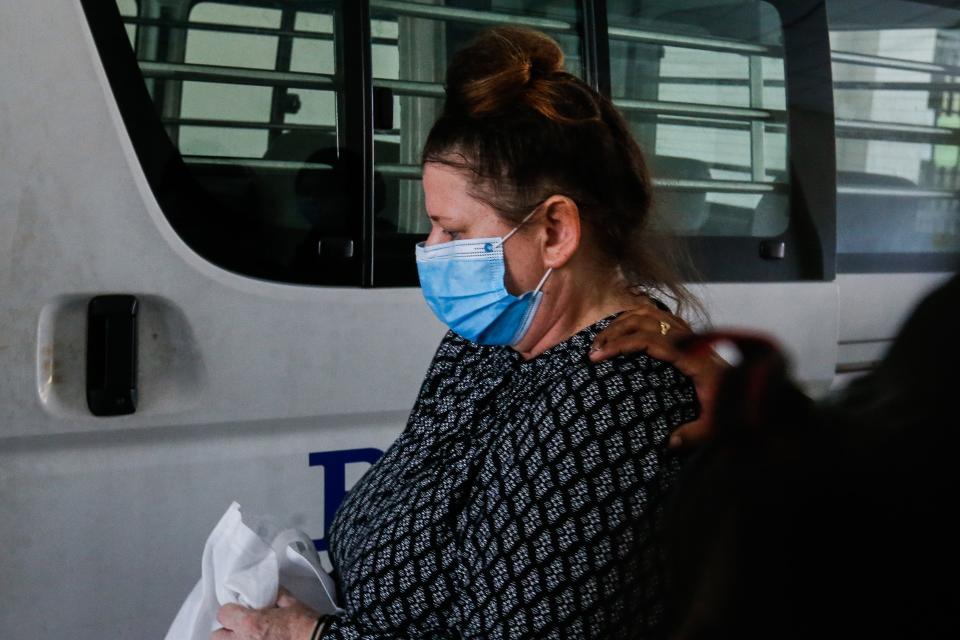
[447, 195]
[442, 179]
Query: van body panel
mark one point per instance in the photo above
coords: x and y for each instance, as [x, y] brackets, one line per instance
[800, 316]
[88, 225]
[240, 380]
[104, 531]
[874, 305]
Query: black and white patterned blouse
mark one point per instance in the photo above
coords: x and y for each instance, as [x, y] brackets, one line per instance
[521, 501]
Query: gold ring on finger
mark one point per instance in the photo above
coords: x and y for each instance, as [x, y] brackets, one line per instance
[664, 327]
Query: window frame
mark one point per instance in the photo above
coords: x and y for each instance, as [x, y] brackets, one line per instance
[901, 262]
[810, 237]
[178, 193]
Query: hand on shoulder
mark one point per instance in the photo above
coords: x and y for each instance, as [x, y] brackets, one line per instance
[658, 333]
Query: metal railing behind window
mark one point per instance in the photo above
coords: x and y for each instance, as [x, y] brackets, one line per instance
[474, 16]
[236, 75]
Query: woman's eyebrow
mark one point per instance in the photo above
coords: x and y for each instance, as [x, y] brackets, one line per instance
[436, 218]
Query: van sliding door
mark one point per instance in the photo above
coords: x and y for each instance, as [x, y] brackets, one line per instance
[731, 100]
[895, 69]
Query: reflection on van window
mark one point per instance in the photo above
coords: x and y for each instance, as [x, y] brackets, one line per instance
[228, 101]
[247, 92]
[897, 104]
[129, 8]
[703, 88]
[412, 43]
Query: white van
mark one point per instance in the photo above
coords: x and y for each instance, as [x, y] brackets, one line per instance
[207, 218]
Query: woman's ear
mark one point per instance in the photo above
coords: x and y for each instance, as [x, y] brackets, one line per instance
[561, 221]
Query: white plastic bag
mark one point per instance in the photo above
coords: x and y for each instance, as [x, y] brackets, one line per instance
[247, 567]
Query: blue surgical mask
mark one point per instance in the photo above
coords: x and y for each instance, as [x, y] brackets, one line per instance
[463, 283]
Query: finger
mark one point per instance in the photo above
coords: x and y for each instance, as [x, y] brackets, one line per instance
[701, 429]
[678, 322]
[231, 616]
[653, 345]
[651, 311]
[693, 433]
[698, 367]
[624, 325]
[652, 322]
[705, 370]
[648, 340]
[286, 600]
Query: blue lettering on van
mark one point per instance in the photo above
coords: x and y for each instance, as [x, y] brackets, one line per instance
[334, 465]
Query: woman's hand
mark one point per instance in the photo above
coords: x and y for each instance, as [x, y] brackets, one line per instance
[289, 620]
[641, 329]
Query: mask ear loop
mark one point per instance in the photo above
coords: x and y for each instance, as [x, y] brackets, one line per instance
[517, 228]
[513, 231]
[543, 279]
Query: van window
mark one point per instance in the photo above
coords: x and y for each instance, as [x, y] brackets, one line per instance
[282, 149]
[128, 9]
[247, 93]
[897, 104]
[702, 85]
[731, 101]
[411, 45]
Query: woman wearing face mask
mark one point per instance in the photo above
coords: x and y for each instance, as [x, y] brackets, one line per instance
[523, 498]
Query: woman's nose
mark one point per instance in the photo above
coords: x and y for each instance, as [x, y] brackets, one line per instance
[436, 237]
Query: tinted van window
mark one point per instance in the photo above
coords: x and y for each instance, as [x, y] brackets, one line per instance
[703, 88]
[897, 104]
[249, 96]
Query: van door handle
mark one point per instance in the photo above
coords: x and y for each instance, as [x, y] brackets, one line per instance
[112, 355]
[335, 247]
[773, 249]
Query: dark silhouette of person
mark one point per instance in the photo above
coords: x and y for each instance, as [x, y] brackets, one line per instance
[831, 519]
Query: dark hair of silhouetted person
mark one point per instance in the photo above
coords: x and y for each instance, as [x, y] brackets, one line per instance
[835, 519]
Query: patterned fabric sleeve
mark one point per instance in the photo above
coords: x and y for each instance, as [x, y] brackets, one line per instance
[553, 535]
[345, 628]
[558, 540]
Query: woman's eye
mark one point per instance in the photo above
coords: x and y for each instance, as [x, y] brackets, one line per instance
[453, 234]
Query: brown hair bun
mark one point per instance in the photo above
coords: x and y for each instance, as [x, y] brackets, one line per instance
[501, 69]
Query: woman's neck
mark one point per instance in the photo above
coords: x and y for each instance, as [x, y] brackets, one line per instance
[571, 304]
